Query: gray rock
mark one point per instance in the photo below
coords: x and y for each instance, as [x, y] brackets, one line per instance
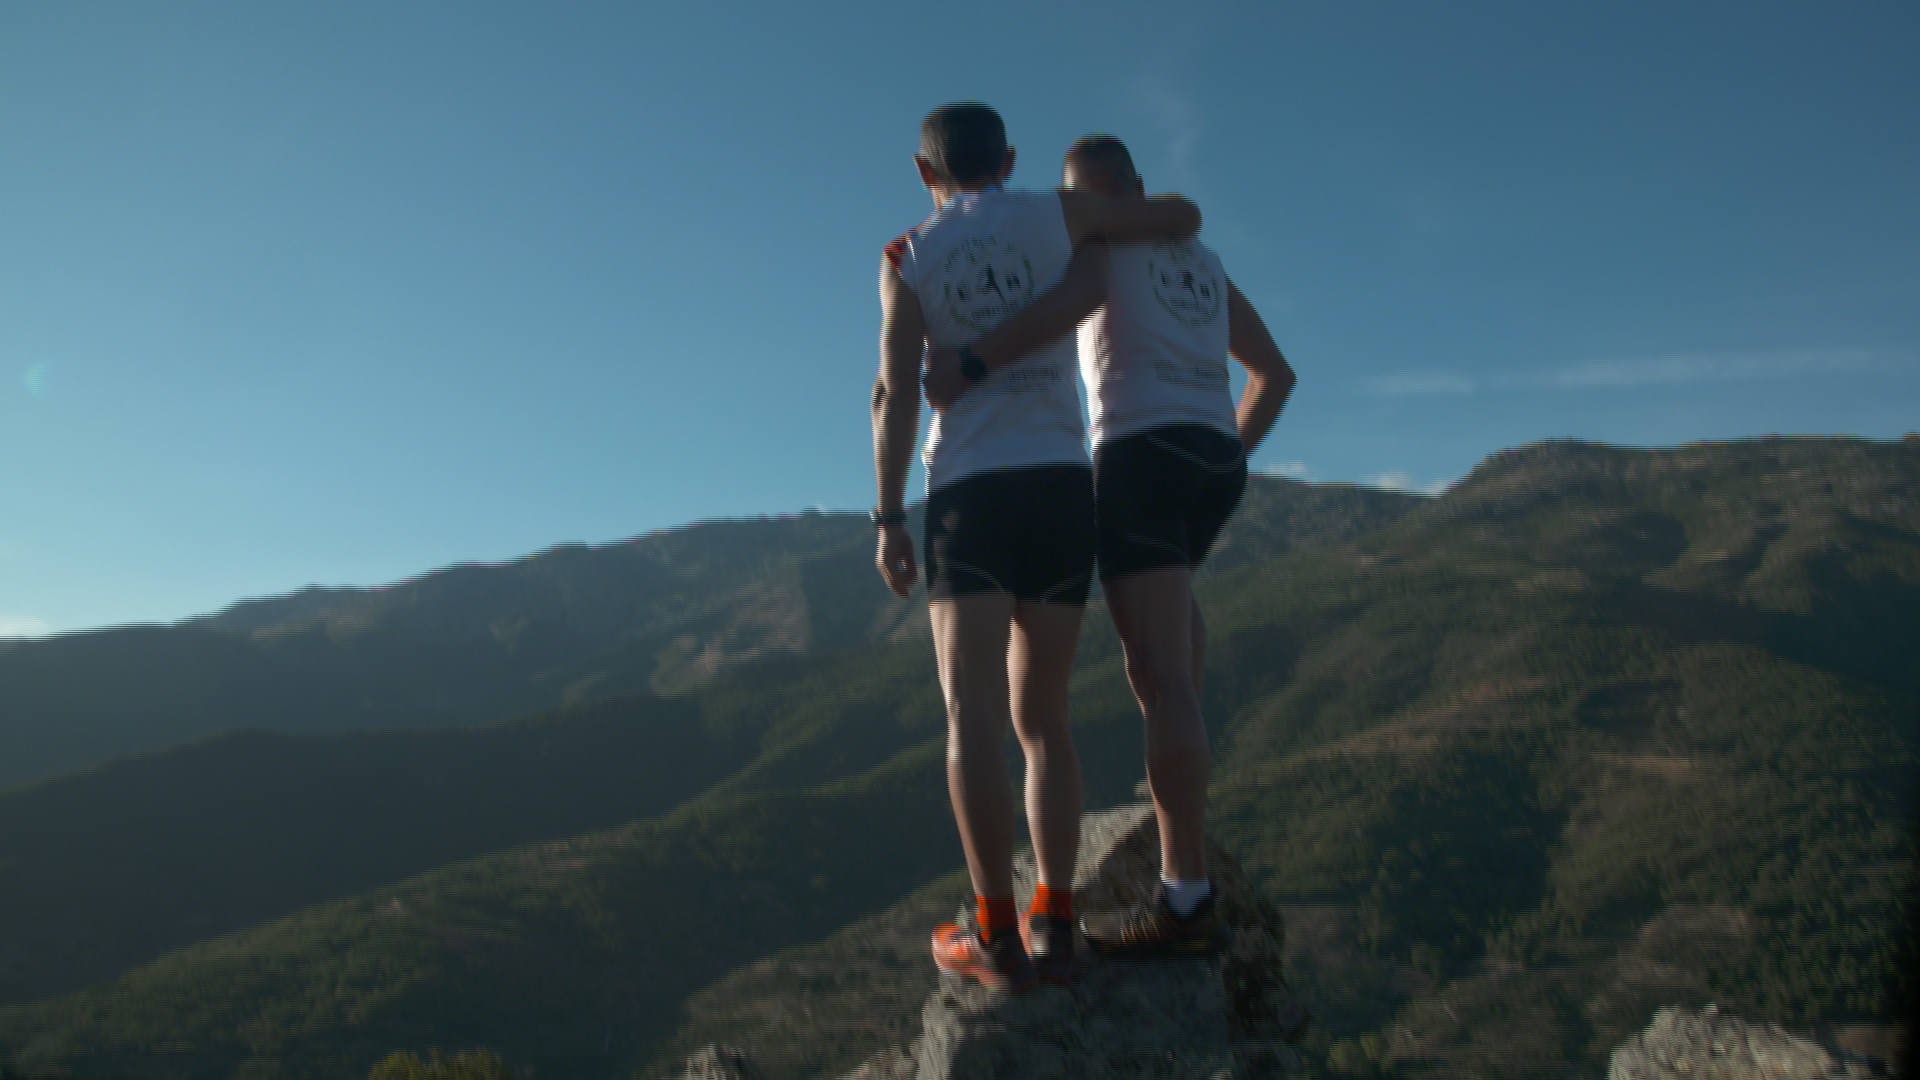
[720, 1063]
[1223, 1019]
[1160, 1023]
[892, 1064]
[1712, 1045]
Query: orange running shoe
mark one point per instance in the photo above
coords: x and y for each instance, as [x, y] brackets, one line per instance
[1002, 967]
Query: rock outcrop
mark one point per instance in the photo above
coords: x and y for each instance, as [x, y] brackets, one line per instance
[1712, 1045]
[1231, 1017]
[1228, 1018]
[721, 1063]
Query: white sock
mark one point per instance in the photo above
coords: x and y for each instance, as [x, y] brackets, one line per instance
[1184, 896]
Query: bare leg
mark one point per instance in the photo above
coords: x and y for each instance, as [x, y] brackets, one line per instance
[1154, 611]
[970, 639]
[1039, 665]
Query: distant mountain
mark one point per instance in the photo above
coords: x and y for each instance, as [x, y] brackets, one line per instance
[1598, 731]
[465, 645]
[475, 644]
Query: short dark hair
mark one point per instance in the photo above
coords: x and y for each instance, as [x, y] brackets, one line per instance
[965, 143]
[1105, 154]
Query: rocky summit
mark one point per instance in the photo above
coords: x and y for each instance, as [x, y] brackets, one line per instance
[1682, 1044]
[1229, 1017]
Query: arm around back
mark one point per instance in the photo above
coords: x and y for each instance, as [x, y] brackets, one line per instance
[1052, 315]
[1091, 216]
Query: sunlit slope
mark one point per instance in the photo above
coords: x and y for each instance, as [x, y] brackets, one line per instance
[473, 644]
[1599, 731]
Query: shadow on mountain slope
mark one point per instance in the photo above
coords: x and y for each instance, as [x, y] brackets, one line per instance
[108, 869]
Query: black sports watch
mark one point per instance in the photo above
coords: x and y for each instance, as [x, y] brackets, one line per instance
[971, 365]
[881, 521]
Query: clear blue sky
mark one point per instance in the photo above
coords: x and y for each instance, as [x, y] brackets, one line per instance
[341, 293]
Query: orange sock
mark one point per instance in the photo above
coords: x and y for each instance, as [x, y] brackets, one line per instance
[1050, 901]
[995, 915]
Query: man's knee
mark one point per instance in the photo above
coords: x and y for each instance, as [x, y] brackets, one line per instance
[1044, 739]
[1160, 679]
[973, 747]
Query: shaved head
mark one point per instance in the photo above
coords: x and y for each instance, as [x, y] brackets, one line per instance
[1101, 163]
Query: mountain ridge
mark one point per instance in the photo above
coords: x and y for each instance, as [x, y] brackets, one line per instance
[473, 644]
[1589, 735]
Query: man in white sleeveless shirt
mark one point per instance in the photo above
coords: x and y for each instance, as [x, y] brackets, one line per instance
[1010, 528]
[1170, 457]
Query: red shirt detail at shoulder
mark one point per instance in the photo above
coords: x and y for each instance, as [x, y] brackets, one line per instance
[895, 250]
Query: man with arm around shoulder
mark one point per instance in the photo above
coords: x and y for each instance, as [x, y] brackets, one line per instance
[1010, 531]
[1170, 453]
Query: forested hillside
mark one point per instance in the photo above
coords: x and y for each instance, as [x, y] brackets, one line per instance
[106, 870]
[1597, 731]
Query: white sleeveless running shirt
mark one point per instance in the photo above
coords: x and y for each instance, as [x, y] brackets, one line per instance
[980, 258]
[1156, 353]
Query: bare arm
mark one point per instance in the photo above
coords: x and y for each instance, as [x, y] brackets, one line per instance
[1090, 216]
[896, 419]
[1054, 314]
[1270, 378]
[1051, 316]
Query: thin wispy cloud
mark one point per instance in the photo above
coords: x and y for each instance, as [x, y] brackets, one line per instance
[24, 626]
[35, 379]
[1841, 360]
[1401, 482]
[1292, 470]
[1838, 361]
[1428, 384]
[1177, 124]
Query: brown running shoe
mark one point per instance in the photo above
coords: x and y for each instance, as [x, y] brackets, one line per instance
[1049, 941]
[1002, 967]
[1151, 931]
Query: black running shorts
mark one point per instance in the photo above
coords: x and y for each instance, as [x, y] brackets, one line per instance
[1028, 532]
[1164, 495]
